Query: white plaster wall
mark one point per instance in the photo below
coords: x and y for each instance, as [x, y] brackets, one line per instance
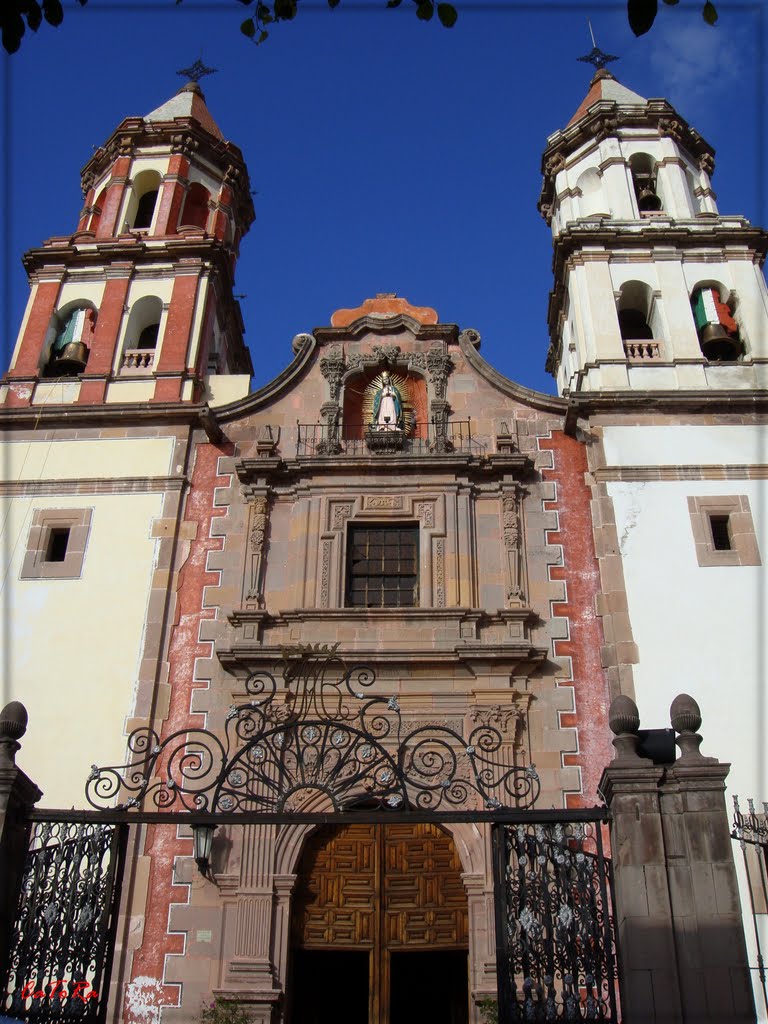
[687, 445]
[85, 459]
[72, 654]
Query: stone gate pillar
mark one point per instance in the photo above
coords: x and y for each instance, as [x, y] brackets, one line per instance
[678, 916]
[18, 794]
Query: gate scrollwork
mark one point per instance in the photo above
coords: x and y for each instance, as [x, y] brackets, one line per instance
[325, 732]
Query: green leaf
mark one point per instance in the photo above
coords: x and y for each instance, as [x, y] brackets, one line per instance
[333, 3]
[709, 13]
[447, 14]
[53, 11]
[13, 30]
[263, 14]
[671, 3]
[285, 10]
[248, 28]
[264, 35]
[425, 10]
[394, 3]
[641, 15]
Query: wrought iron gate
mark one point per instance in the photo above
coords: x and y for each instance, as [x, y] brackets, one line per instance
[62, 943]
[555, 943]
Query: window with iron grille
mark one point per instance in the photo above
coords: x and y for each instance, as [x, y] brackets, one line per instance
[383, 566]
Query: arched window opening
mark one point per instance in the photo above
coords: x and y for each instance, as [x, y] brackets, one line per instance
[635, 313]
[717, 329]
[143, 201]
[633, 325]
[146, 209]
[195, 212]
[643, 168]
[72, 329]
[142, 335]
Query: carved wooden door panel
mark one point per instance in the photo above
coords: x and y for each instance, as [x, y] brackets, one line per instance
[387, 890]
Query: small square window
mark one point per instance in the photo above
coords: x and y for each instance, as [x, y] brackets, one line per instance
[723, 530]
[382, 566]
[56, 544]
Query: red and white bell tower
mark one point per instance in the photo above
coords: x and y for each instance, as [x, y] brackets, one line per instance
[137, 304]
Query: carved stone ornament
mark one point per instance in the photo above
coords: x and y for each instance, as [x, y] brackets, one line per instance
[504, 719]
[670, 127]
[605, 127]
[258, 532]
[417, 360]
[707, 163]
[387, 353]
[510, 515]
[471, 336]
[184, 144]
[554, 164]
[332, 368]
[439, 364]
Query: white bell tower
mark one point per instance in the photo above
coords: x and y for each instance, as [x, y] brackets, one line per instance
[654, 289]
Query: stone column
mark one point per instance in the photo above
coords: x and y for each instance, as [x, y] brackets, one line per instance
[678, 918]
[18, 794]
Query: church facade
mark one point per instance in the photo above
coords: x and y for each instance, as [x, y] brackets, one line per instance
[495, 557]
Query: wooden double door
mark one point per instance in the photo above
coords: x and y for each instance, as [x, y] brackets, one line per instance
[379, 928]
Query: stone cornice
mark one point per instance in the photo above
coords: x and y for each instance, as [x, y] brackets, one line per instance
[526, 396]
[583, 405]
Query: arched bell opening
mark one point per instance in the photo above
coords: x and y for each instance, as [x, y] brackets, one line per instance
[643, 168]
[379, 913]
[195, 210]
[141, 335]
[636, 312]
[718, 331]
[140, 211]
[69, 340]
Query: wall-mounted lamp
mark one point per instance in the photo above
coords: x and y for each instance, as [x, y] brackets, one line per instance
[202, 836]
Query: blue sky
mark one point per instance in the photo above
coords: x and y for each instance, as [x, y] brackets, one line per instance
[388, 154]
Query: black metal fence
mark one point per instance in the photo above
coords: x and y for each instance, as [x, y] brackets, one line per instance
[360, 439]
[556, 953]
[62, 943]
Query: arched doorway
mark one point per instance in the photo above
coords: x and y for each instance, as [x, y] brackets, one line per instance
[379, 930]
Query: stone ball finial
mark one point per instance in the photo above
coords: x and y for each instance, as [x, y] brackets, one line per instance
[623, 716]
[685, 714]
[13, 721]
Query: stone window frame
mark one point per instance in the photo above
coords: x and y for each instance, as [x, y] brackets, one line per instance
[44, 520]
[744, 549]
[401, 525]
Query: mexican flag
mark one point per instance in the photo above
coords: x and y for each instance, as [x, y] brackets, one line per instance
[708, 309]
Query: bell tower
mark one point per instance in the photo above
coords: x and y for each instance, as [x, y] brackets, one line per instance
[137, 305]
[654, 289]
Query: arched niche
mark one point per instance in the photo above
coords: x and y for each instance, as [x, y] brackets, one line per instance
[592, 201]
[96, 211]
[195, 211]
[357, 383]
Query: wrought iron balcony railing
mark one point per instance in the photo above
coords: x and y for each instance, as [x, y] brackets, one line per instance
[361, 439]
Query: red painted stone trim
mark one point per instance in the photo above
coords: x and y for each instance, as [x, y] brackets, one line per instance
[178, 326]
[162, 846]
[114, 198]
[44, 304]
[581, 573]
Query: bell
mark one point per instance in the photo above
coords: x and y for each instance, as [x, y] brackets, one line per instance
[718, 345]
[648, 201]
[71, 359]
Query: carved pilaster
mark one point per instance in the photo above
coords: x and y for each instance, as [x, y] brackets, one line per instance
[256, 536]
[332, 368]
[439, 365]
[510, 519]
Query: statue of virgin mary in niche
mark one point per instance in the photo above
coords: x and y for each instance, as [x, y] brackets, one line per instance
[387, 406]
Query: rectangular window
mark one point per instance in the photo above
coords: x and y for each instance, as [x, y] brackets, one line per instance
[721, 533]
[383, 566]
[723, 530]
[56, 544]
